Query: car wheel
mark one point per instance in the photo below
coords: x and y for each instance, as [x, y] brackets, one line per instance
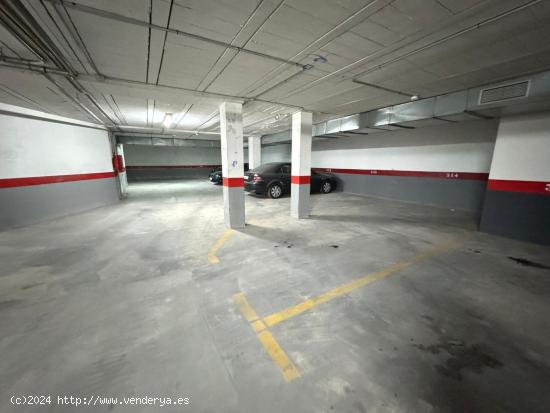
[275, 191]
[326, 187]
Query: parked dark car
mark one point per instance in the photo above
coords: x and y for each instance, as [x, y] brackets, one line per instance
[273, 179]
[216, 176]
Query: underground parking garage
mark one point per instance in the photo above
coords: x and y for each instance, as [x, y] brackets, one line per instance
[279, 206]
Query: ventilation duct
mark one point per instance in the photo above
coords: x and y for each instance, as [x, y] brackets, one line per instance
[502, 93]
[482, 102]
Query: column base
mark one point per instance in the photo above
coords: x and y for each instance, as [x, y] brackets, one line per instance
[299, 200]
[233, 201]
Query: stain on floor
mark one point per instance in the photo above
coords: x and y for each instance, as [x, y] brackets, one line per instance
[474, 358]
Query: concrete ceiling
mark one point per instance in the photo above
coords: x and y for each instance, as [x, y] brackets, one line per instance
[136, 60]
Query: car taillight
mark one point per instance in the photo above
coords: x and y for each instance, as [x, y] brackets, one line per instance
[257, 178]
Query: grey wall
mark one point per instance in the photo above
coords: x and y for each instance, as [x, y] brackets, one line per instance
[136, 174]
[29, 204]
[460, 194]
[145, 162]
[147, 155]
[276, 153]
[410, 157]
[517, 215]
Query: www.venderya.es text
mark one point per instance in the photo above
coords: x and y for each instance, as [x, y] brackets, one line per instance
[97, 400]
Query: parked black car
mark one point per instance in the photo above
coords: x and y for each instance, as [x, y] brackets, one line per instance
[273, 179]
[216, 176]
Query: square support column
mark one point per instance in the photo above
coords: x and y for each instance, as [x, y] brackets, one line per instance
[231, 125]
[301, 164]
[254, 151]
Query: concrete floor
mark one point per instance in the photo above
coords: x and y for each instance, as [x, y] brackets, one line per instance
[122, 301]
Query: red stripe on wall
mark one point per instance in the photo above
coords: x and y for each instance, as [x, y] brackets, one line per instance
[476, 176]
[533, 187]
[43, 180]
[171, 166]
[300, 179]
[233, 182]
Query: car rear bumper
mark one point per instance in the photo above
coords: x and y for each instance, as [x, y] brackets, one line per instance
[255, 187]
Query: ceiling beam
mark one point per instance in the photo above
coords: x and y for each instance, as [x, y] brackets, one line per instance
[344, 71]
[130, 20]
[31, 66]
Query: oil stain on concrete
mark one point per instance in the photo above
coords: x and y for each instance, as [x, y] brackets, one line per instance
[461, 358]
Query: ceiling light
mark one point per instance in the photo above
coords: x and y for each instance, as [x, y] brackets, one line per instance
[167, 122]
[414, 97]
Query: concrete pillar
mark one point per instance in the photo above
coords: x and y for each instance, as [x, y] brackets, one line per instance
[517, 200]
[254, 151]
[231, 125]
[123, 180]
[301, 164]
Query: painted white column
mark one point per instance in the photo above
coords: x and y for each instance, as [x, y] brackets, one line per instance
[231, 126]
[517, 200]
[301, 164]
[254, 151]
[123, 179]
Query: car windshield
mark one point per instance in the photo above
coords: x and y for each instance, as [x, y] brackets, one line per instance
[267, 168]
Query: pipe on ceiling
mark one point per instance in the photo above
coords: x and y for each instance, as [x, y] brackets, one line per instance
[361, 61]
[137, 22]
[451, 36]
[20, 22]
[71, 28]
[250, 37]
[149, 140]
[356, 18]
[168, 131]
[33, 66]
[24, 27]
[397, 92]
[30, 66]
[174, 131]
[75, 100]
[9, 17]
[23, 112]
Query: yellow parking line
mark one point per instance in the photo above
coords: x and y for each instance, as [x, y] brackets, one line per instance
[246, 309]
[277, 354]
[295, 310]
[212, 258]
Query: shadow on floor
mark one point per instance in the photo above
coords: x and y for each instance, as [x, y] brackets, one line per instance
[462, 221]
[270, 234]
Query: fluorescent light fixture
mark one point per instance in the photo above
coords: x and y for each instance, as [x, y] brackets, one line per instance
[167, 122]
